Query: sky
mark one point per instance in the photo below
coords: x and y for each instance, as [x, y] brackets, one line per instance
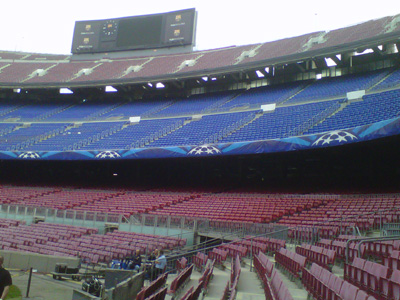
[46, 26]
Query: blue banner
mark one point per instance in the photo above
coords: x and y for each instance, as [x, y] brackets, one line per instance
[327, 139]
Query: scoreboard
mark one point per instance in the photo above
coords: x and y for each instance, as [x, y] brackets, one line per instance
[170, 29]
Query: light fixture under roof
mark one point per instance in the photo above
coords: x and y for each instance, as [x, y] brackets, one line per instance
[259, 74]
[330, 62]
[65, 91]
[110, 89]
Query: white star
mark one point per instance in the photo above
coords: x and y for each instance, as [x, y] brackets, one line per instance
[209, 151]
[343, 138]
[327, 141]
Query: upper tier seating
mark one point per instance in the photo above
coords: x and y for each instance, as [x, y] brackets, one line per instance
[278, 124]
[26, 136]
[337, 87]
[231, 116]
[390, 81]
[195, 132]
[373, 108]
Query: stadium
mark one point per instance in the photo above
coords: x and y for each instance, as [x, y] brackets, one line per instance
[265, 171]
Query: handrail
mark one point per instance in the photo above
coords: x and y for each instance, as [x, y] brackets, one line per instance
[363, 240]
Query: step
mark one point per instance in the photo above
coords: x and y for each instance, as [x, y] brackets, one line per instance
[249, 286]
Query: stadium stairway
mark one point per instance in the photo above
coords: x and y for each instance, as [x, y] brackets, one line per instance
[249, 285]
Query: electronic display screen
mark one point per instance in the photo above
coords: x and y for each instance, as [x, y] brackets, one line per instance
[142, 32]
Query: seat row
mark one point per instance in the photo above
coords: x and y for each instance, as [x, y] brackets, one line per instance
[393, 261]
[200, 260]
[194, 292]
[180, 280]
[324, 285]
[367, 275]
[339, 246]
[322, 256]
[271, 244]
[234, 250]
[263, 265]
[154, 286]
[276, 288]
[291, 262]
[218, 255]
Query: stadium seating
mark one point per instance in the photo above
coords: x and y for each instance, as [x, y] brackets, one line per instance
[277, 289]
[393, 261]
[367, 275]
[154, 286]
[321, 256]
[263, 265]
[221, 117]
[73, 241]
[390, 287]
[218, 255]
[200, 260]
[322, 284]
[180, 280]
[181, 264]
[290, 261]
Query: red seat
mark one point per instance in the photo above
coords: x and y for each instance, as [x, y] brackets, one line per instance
[322, 285]
[337, 288]
[394, 260]
[365, 275]
[394, 285]
[348, 291]
[352, 272]
[377, 272]
[361, 295]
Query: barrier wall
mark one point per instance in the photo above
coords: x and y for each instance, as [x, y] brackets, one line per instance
[127, 289]
[39, 262]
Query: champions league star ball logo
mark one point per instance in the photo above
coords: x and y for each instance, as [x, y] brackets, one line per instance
[29, 155]
[108, 154]
[204, 150]
[335, 137]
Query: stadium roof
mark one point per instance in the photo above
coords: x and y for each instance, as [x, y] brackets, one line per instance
[26, 70]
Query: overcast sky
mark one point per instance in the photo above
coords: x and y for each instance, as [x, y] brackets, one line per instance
[46, 26]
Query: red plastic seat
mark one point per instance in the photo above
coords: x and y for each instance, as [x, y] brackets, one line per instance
[377, 272]
[394, 285]
[361, 295]
[336, 288]
[348, 291]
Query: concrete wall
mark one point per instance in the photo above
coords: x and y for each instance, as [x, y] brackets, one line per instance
[127, 289]
[39, 262]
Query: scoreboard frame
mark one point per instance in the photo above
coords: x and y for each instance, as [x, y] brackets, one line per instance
[171, 29]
